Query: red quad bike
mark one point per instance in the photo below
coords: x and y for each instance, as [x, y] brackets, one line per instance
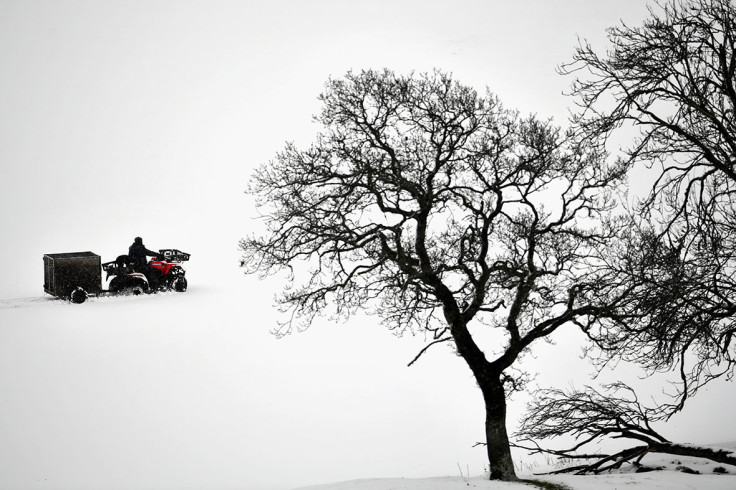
[170, 275]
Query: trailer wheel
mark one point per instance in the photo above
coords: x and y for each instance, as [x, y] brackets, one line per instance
[78, 296]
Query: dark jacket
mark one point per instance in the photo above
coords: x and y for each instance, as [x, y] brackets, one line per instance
[138, 254]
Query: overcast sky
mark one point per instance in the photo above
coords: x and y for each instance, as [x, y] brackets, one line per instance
[145, 118]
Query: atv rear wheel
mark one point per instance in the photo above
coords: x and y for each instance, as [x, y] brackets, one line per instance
[128, 286]
[136, 290]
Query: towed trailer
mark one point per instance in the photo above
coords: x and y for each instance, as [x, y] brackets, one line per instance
[72, 276]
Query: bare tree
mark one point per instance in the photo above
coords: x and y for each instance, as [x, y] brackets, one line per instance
[589, 416]
[673, 82]
[671, 275]
[442, 212]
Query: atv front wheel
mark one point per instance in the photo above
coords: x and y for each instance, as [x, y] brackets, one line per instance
[180, 284]
[133, 290]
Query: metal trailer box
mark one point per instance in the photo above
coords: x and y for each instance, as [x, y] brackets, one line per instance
[63, 273]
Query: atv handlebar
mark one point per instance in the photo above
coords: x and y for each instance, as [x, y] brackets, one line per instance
[173, 255]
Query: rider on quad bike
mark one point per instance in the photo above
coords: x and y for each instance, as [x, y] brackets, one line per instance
[131, 274]
[137, 254]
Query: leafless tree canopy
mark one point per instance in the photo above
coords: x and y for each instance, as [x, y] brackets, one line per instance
[438, 209]
[674, 311]
[423, 195]
[673, 81]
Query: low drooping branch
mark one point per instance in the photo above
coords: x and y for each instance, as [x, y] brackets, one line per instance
[590, 417]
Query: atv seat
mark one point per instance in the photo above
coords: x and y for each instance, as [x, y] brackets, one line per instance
[119, 267]
[124, 261]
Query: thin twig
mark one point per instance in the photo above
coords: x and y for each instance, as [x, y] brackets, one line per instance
[427, 347]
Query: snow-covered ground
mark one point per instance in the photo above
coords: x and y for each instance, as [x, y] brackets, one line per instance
[670, 478]
[190, 390]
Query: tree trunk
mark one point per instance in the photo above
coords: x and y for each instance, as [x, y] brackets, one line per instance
[497, 439]
[489, 381]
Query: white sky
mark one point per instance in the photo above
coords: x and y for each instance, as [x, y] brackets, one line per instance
[144, 118]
